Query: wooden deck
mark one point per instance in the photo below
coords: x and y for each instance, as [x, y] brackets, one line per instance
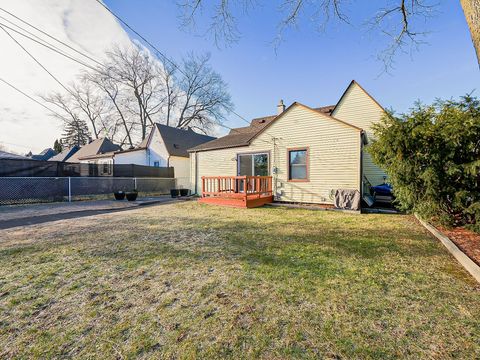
[237, 191]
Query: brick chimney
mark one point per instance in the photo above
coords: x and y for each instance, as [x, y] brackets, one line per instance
[280, 107]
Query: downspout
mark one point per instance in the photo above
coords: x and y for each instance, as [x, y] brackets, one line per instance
[361, 163]
[195, 169]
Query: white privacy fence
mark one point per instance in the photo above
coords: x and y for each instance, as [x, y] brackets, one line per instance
[24, 190]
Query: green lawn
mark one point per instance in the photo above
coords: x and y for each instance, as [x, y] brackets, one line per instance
[196, 281]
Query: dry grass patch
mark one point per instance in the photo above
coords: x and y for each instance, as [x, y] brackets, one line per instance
[196, 281]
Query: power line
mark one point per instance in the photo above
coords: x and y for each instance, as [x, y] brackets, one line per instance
[165, 57]
[51, 48]
[57, 80]
[28, 32]
[31, 98]
[55, 49]
[35, 59]
[51, 37]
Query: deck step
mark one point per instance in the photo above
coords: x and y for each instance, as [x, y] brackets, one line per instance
[369, 199]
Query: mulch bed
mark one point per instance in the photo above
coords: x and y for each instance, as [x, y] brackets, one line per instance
[468, 241]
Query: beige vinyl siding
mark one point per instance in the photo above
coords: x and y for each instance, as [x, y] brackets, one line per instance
[358, 108]
[371, 171]
[181, 166]
[334, 156]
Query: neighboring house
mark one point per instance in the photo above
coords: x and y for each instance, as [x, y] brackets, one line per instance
[309, 152]
[9, 156]
[165, 146]
[98, 151]
[65, 154]
[44, 155]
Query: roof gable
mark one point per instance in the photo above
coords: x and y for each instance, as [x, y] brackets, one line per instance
[345, 93]
[244, 136]
[356, 106]
[96, 147]
[317, 112]
[65, 154]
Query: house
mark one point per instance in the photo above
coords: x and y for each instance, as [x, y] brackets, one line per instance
[65, 154]
[302, 154]
[165, 146]
[45, 155]
[99, 151]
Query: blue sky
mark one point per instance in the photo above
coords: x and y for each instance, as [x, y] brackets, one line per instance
[314, 68]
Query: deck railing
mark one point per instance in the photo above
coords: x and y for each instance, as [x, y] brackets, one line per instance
[236, 186]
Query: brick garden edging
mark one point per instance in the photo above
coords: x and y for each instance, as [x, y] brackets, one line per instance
[463, 259]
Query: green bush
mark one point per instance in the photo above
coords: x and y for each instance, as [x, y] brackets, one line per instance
[432, 158]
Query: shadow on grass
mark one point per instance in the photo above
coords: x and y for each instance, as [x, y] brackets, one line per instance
[280, 244]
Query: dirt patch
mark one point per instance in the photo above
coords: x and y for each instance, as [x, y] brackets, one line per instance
[468, 241]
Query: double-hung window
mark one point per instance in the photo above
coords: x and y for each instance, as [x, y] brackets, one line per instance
[298, 164]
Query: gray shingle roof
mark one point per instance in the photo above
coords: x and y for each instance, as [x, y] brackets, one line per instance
[6, 155]
[178, 141]
[243, 136]
[237, 137]
[44, 155]
[96, 147]
[65, 154]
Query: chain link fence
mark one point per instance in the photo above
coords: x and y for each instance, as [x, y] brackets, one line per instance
[36, 168]
[27, 190]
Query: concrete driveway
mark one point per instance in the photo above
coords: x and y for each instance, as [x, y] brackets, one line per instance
[24, 215]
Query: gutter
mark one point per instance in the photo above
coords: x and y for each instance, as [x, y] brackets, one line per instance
[195, 169]
[361, 165]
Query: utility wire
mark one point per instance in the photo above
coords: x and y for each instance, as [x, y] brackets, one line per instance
[165, 57]
[28, 32]
[37, 61]
[31, 98]
[53, 48]
[52, 37]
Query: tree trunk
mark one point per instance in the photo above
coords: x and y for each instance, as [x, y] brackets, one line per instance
[471, 9]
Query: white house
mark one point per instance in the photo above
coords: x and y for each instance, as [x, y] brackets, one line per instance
[165, 146]
[310, 153]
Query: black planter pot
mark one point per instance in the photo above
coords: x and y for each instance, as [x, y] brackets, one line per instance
[174, 193]
[131, 196]
[119, 195]
[183, 192]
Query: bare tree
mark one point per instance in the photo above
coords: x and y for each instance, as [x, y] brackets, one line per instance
[171, 91]
[397, 19]
[136, 69]
[203, 99]
[75, 128]
[118, 114]
[86, 100]
[83, 104]
[133, 90]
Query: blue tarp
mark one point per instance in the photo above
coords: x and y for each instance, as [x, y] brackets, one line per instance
[383, 189]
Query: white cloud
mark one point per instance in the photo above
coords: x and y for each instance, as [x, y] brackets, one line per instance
[84, 25]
